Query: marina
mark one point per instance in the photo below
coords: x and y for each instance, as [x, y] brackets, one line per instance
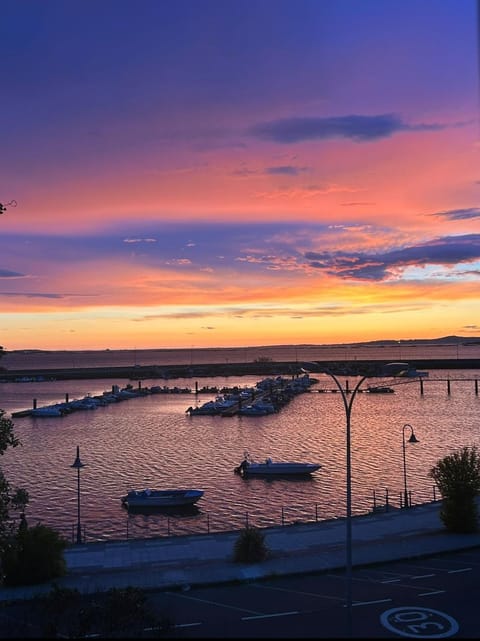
[212, 407]
[270, 392]
[150, 441]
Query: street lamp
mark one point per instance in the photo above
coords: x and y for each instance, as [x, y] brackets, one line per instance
[387, 370]
[78, 465]
[412, 439]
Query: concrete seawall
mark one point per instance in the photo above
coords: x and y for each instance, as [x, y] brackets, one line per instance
[268, 368]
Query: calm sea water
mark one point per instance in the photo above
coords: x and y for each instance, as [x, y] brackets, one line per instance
[152, 442]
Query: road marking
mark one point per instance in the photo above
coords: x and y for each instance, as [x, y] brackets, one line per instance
[391, 581]
[301, 592]
[355, 604]
[460, 570]
[216, 603]
[422, 623]
[422, 576]
[432, 593]
[271, 616]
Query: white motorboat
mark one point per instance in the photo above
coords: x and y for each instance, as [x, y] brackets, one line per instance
[161, 498]
[275, 468]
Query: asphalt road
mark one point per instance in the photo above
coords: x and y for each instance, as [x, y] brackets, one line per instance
[432, 597]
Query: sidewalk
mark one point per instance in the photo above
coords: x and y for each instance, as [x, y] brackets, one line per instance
[202, 559]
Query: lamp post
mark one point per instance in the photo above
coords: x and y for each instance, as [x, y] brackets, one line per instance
[387, 370]
[412, 439]
[78, 465]
[347, 403]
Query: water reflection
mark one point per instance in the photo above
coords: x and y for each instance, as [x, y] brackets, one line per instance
[151, 442]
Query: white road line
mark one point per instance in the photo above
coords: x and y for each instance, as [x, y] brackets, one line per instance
[301, 592]
[391, 581]
[356, 604]
[460, 570]
[422, 576]
[432, 593]
[215, 603]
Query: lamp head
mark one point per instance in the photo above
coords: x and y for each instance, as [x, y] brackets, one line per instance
[78, 463]
[413, 439]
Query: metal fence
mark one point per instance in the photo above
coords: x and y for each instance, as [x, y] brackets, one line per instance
[158, 524]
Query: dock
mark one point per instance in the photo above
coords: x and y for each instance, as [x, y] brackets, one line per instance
[115, 395]
[267, 397]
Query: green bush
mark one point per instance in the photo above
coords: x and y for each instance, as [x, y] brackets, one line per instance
[458, 479]
[34, 555]
[250, 546]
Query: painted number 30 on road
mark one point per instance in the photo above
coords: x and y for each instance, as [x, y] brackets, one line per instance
[421, 623]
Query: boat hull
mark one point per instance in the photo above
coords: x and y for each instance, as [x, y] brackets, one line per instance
[277, 469]
[161, 498]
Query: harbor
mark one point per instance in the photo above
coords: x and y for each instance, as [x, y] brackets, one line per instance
[271, 393]
[150, 441]
[232, 400]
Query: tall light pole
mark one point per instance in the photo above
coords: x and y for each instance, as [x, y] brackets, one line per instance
[387, 370]
[412, 439]
[347, 403]
[78, 465]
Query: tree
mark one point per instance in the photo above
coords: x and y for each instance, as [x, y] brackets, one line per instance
[34, 555]
[7, 436]
[458, 478]
[10, 498]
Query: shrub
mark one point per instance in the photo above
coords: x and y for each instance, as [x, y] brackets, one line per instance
[250, 546]
[458, 479]
[34, 555]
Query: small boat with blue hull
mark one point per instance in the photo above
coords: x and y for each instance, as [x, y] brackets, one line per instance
[161, 498]
[278, 468]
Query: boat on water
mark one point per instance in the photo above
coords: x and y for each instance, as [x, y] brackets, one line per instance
[148, 498]
[275, 468]
[400, 369]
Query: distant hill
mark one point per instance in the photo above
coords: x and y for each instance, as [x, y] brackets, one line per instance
[445, 340]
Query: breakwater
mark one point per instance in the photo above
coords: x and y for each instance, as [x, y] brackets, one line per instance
[267, 368]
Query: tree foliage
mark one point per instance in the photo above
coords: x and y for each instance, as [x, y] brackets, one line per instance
[14, 499]
[458, 474]
[458, 478]
[7, 435]
[11, 499]
[34, 555]
[250, 546]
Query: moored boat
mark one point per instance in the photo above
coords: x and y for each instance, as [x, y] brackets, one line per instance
[161, 498]
[275, 468]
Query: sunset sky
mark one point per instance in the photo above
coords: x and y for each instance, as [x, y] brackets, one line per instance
[182, 173]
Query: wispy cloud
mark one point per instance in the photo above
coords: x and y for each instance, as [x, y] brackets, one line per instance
[30, 295]
[458, 214]
[5, 273]
[286, 170]
[354, 127]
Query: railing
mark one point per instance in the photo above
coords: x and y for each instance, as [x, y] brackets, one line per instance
[166, 525]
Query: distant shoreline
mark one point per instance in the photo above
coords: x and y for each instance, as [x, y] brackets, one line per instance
[267, 368]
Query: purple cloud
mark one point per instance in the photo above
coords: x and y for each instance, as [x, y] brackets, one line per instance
[459, 214]
[355, 127]
[450, 250]
[285, 170]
